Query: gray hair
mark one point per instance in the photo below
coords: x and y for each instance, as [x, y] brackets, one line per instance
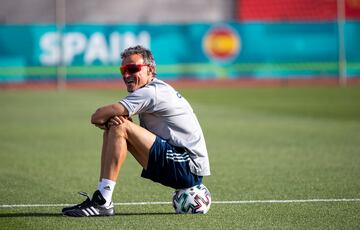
[145, 53]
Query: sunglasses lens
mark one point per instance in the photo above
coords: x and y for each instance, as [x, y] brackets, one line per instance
[131, 69]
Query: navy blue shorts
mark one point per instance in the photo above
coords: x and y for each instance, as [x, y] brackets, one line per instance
[169, 166]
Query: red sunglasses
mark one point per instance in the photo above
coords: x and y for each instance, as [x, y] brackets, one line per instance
[131, 68]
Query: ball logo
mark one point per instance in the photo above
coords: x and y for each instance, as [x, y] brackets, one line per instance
[221, 43]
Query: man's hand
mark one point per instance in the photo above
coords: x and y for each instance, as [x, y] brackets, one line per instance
[105, 113]
[114, 121]
[118, 120]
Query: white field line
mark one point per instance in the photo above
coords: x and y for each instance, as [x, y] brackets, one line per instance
[213, 202]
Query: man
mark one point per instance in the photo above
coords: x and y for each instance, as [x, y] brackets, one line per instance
[168, 144]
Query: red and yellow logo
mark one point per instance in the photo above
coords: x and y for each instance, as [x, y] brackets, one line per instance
[221, 43]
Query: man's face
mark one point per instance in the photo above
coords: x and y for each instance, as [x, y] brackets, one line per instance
[135, 80]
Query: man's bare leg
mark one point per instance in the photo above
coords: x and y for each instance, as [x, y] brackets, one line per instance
[138, 140]
[121, 136]
[103, 153]
[115, 152]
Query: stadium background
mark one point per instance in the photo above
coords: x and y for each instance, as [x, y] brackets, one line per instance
[70, 41]
[281, 157]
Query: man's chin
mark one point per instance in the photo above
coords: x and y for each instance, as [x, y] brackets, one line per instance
[130, 89]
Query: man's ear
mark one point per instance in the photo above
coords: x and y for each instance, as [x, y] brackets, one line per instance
[151, 69]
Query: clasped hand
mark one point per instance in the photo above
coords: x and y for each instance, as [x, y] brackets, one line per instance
[114, 121]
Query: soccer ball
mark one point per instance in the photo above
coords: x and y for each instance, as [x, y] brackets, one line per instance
[196, 199]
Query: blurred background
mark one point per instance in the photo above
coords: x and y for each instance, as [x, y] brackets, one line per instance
[61, 41]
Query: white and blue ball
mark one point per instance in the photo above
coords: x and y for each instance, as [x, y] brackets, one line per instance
[196, 199]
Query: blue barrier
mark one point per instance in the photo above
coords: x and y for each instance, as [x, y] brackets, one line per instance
[199, 50]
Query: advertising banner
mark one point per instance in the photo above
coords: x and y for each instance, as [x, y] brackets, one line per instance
[197, 50]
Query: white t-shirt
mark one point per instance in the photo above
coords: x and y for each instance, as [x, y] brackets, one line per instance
[165, 113]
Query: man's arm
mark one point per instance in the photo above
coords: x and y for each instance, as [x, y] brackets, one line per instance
[103, 114]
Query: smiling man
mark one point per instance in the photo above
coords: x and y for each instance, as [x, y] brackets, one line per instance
[169, 143]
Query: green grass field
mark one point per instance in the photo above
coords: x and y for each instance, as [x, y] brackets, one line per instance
[264, 144]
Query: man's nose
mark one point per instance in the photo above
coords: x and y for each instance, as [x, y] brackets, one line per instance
[126, 75]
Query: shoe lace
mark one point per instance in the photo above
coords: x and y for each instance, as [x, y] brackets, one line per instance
[85, 202]
[84, 194]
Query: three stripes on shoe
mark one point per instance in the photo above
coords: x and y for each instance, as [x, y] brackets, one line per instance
[90, 211]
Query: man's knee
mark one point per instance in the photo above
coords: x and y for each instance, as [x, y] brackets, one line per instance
[119, 131]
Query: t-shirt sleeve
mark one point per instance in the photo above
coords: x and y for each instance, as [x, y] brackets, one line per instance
[139, 101]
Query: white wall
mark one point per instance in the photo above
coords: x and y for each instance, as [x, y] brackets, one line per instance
[118, 11]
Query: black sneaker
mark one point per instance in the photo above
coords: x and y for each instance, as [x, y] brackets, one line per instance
[90, 207]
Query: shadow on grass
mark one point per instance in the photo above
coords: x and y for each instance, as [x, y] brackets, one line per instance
[43, 214]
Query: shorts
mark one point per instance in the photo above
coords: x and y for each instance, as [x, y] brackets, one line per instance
[169, 166]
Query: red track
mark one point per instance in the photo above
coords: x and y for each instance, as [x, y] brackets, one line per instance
[187, 83]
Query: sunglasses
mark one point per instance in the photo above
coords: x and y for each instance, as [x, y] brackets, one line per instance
[131, 68]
